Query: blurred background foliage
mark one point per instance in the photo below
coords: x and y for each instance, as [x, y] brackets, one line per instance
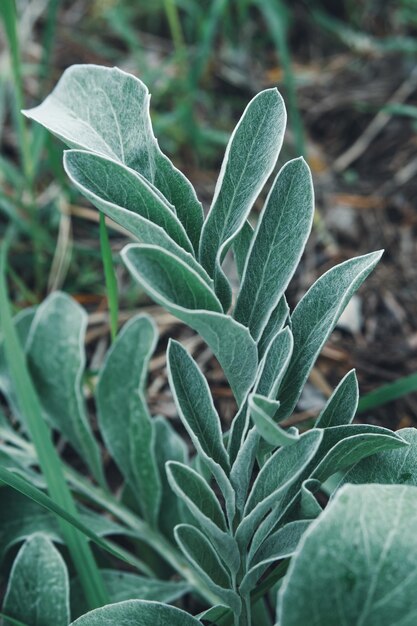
[348, 73]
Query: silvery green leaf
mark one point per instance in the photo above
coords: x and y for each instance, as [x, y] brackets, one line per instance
[197, 412]
[169, 446]
[270, 372]
[342, 446]
[112, 202]
[124, 419]
[196, 493]
[275, 478]
[205, 508]
[56, 358]
[241, 246]
[22, 322]
[136, 613]
[275, 324]
[250, 157]
[280, 545]
[114, 183]
[281, 233]
[106, 111]
[356, 563]
[216, 615]
[195, 405]
[398, 467]
[121, 586]
[341, 407]
[242, 468]
[201, 554]
[38, 588]
[314, 319]
[262, 410]
[309, 507]
[166, 277]
[231, 342]
[274, 364]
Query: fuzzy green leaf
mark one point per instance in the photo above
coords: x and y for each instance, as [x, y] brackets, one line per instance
[356, 563]
[274, 325]
[279, 240]
[136, 613]
[275, 478]
[106, 111]
[280, 545]
[169, 446]
[124, 420]
[398, 467]
[123, 586]
[114, 183]
[38, 588]
[205, 508]
[231, 342]
[56, 359]
[342, 446]
[341, 407]
[274, 364]
[262, 411]
[314, 319]
[201, 554]
[250, 157]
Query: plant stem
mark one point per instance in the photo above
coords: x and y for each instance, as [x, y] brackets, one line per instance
[109, 276]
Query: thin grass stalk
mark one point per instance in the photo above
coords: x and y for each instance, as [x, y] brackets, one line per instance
[109, 277]
[79, 549]
[388, 393]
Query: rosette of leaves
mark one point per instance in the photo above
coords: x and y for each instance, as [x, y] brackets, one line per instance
[240, 522]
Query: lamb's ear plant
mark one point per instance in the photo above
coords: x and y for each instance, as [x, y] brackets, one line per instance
[241, 523]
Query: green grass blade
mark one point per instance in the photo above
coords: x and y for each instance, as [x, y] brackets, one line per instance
[27, 489]
[110, 276]
[48, 458]
[388, 393]
[8, 14]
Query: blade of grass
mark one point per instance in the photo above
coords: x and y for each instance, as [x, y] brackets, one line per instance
[49, 461]
[12, 620]
[8, 13]
[109, 276]
[388, 393]
[71, 521]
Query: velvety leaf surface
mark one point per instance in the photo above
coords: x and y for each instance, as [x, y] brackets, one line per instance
[56, 358]
[169, 446]
[123, 586]
[262, 411]
[250, 156]
[314, 319]
[356, 564]
[136, 613]
[397, 467]
[124, 420]
[112, 202]
[273, 366]
[275, 323]
[106, 111]
[113, 182]
[282, 231]
[202, 555]
[341, 406]
[38, 589]
[283, 469]
[231, 342]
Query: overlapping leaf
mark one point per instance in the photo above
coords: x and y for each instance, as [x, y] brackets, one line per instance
[356, 563]
[124, 419]
[106, 111]
[277, 245]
